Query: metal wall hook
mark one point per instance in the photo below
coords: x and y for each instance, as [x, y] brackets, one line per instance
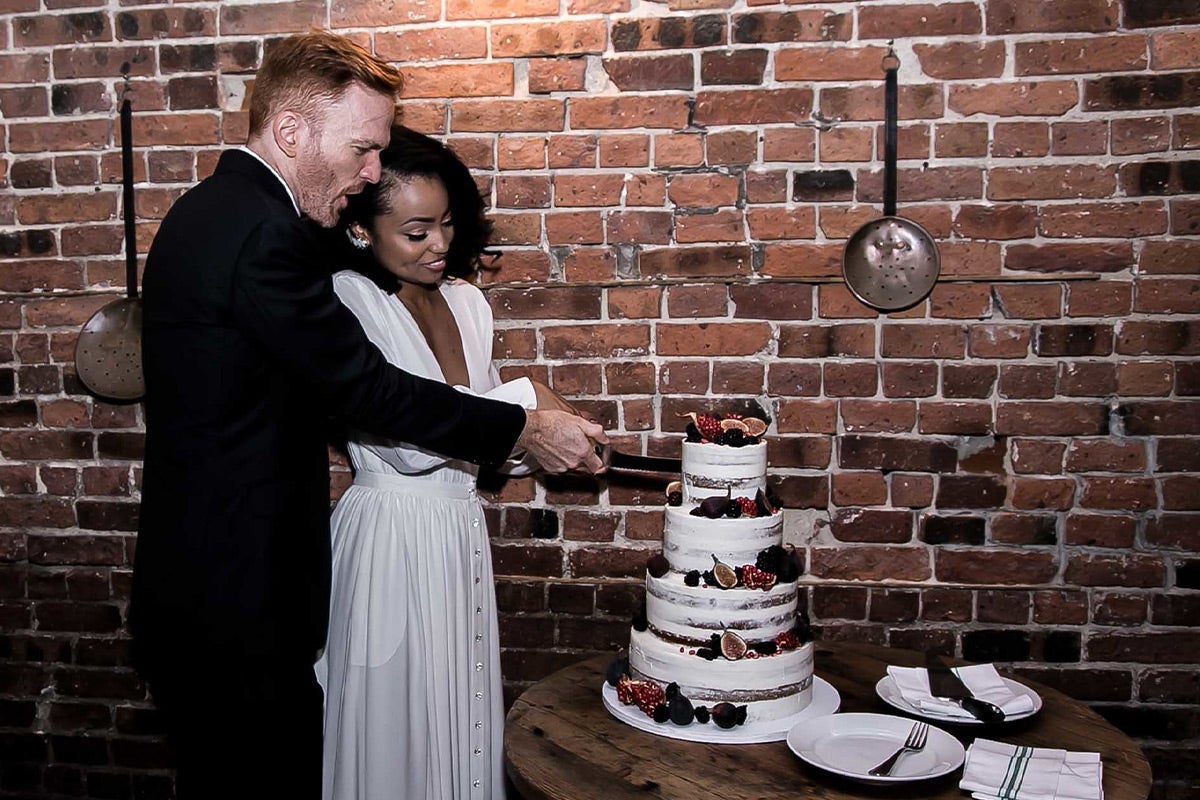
[819, 121]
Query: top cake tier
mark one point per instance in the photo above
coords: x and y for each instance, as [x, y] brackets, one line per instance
[713, 469]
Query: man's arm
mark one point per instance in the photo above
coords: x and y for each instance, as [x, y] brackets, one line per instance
[284, 298]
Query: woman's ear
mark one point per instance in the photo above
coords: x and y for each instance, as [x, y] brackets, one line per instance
[358, 236]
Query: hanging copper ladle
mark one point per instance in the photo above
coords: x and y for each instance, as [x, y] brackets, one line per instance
[890, 263]
[108, 353]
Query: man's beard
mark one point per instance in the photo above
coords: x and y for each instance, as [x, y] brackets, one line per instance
[315, 192]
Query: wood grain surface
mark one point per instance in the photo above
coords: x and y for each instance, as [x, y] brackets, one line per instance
[561, 744]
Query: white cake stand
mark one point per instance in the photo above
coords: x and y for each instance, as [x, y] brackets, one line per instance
[825, 700]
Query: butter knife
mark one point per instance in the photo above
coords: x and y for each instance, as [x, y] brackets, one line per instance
[945, 685]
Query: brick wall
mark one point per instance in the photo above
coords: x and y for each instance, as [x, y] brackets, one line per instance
[1009, 471]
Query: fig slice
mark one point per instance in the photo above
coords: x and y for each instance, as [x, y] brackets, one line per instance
[733, 646]
[725, 575]
[754, 426]
[734, 424]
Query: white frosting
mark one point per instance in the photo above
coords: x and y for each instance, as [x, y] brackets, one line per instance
[693, 614]
[683, 618]
[690, 542]
[711, 469]
[720, 680]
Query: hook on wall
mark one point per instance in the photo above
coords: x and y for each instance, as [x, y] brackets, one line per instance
[819, 121]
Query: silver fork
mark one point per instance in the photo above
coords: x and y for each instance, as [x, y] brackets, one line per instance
[914, 742]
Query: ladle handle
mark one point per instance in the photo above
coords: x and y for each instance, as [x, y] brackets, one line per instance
[127, 198]
[890, 113]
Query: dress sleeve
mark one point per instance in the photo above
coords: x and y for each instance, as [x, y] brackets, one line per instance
[283, 295]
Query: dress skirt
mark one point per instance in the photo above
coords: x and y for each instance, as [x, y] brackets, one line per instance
[414, 705]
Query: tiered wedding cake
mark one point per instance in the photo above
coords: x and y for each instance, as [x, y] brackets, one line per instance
[720, 636]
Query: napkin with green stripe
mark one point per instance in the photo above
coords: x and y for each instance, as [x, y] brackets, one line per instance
[999, 771]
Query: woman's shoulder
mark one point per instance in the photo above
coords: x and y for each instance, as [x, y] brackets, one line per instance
[355, 288]
[464, 291]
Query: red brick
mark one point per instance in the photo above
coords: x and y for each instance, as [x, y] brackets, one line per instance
[928, 341]
[994, 566]
[961, 140]
[650, 73]
[519, 228]
[659, 111]
[824, 63]
[260, 18]
[24, 67]
[873, 416]
[869, 563]
[557, 75]
[1081, 257]
[499, 9]
[1050, 182]
[1124, 220]
[960, 301]
[1087, 379]
[459, 80]
[587, 189]
[794, 380]
[731, 147]
[971, 419]
[48, 30]
[639, 227]
[1168, 257]
[729, 338]
[1167, 296]
[595, 341]
[1032, 16]
[596, 562]
[751, 106]
[996, 221]
[865, 103]
[1114, 53]
[933, 19]
[352, 14]
[634, 302]
[624, 150]
[1086, 569]
[1079, 138]
[522, 40]
[165, 23]
[1174, 50]
[791, 26]
[696, 301]
[813, 261]
[493, 116]
[793, 144]
[1021, 140]
[1153, 337]
[958, 60]
[1134, 135]
[803, 416]
[678, 150]
[999, 341]
[1100, 299]
[732, 67]
[782, 223]
[670, 32]
[38, 137]
[1181, 492]
[1038, 493]
[1100, 530]
[645, 190]
[1176, 531]
[737, 377]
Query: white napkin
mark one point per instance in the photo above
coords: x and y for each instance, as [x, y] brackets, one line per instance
[998, 771]
[982, 679]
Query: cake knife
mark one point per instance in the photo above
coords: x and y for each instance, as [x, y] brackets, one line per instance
[945, 685]
[627, 462]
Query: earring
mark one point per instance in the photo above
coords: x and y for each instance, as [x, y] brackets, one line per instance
[359, 242]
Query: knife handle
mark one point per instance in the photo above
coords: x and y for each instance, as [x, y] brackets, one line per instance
[981, 709]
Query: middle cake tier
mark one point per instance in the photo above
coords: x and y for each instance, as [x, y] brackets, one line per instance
[690, 542]
[686, 614]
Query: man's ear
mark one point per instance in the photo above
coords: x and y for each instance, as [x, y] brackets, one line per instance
[288, 128]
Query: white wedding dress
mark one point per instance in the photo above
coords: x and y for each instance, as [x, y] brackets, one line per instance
[411, 669]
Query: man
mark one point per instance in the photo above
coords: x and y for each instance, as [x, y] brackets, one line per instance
[247, 352]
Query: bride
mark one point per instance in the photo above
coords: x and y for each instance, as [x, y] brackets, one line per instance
[411, 669]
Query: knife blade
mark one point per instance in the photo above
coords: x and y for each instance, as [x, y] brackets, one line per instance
[945, 685]
[627, 462]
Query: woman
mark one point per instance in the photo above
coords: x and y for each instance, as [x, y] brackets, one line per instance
[411, 668]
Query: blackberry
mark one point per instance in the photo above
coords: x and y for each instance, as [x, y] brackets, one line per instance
[681, 710]
[725, 715]
[701, 714]
[692, 578]
[765, 648]
[693, 433]
[675, 499]
[616, 668]
[661, 713]
[657, 565]
[706, 653]
[733, 509]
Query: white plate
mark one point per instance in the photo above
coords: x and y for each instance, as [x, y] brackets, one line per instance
[889, 693]
[851, 744]
[825, 700]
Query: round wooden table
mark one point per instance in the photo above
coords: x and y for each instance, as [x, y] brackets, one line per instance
[561, 744]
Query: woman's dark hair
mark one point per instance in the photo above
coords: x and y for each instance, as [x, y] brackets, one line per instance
[414, 155]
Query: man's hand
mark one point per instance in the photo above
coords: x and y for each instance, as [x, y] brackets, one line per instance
[562, 441]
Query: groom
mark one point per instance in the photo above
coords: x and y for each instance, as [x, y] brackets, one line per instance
[247, 353]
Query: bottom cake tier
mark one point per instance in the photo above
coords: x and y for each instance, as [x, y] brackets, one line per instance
[771, 687]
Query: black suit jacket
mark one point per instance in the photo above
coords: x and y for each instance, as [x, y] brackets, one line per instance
[247, 354]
